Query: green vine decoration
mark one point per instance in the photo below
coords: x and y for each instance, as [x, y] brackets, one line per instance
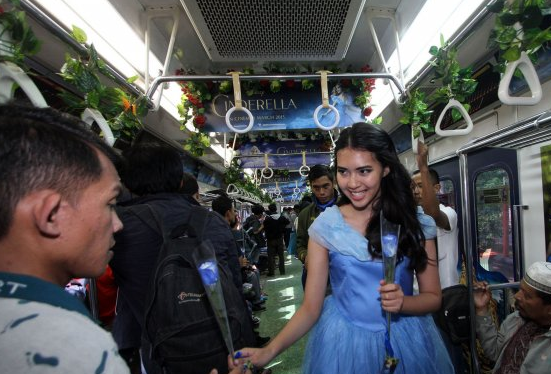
[191, 108]
[234, 175]
[457, 82]
[121, 110]
[416, 114]
[17, 39]
[510, 41]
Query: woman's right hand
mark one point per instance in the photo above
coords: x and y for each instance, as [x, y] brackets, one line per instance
[257, 356]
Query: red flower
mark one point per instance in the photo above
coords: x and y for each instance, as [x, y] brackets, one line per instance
[1, 10]
[366, 69]
[367, 111]
[346, 82]
[193, 100]
[199, 120]
[290, 83]
[264, 83]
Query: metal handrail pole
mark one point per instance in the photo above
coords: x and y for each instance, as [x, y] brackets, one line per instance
[467, 242]
[182, 78]
[531, 122]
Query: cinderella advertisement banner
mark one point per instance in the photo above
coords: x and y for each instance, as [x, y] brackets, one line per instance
[284, 154]
[289, 109]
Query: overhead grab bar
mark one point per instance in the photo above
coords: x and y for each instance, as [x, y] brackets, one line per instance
[182, 78]
[387, 14]
[173, 13]
[325, 104]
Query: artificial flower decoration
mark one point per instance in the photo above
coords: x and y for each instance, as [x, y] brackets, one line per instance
[17, 38]
[192, 108]
[366, 86]
[121, 110]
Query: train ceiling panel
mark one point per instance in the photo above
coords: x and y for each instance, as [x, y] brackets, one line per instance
[234, 30]
[215, 35]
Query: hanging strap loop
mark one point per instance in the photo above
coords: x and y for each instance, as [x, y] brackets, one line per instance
[304, 169]
[267, 172]
[325, 103]
[238, 105]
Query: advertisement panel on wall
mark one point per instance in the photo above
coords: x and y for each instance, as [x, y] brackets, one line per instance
[288, 109]
[284, 154]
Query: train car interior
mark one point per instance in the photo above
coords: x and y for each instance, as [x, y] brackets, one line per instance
[254, 93]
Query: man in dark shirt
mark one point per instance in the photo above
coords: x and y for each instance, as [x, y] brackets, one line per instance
[322, 183]
[153, 173]
[274, 227]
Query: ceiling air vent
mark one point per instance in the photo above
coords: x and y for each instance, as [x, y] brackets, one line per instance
[285, 30]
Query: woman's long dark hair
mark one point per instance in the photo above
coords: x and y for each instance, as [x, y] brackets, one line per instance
[396, 199]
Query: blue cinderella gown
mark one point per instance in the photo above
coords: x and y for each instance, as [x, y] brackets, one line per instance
[350, 333]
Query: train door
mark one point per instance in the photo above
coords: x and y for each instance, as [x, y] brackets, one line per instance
[494, 194]
[493, 190]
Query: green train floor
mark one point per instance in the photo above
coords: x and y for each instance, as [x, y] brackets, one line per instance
[285, 296]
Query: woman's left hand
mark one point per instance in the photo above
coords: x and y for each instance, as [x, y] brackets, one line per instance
[392, 297]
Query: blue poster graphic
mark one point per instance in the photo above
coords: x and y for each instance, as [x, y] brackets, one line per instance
[284, 154]
[289, 109]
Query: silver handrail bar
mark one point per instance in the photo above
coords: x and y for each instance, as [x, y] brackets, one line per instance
[255, 77]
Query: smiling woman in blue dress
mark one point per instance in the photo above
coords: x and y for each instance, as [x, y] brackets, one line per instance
[349, 327]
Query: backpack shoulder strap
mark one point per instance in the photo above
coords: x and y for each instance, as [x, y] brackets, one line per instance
[198, 220]
[149, 216]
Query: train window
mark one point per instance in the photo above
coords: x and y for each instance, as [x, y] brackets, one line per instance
[446, 195]
[494, 231]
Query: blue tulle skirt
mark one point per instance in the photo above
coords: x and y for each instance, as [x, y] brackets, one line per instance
[337, 346]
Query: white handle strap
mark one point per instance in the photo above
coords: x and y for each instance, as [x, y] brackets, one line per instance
[92, 115]
[464, 131]
[238, 105]
[11, 74]
[325, 103]
[529, 72]
[267, 172]
[304, 169]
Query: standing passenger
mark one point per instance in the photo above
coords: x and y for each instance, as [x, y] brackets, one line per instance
[58, 191]
[274, 228]
[427, 185]
[154, 173]
[350, 325]
[321, 181]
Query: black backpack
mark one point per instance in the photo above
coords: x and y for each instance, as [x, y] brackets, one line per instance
[453, 317]
[181, 334]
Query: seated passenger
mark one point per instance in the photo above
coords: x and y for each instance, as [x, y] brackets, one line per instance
[523, 342]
